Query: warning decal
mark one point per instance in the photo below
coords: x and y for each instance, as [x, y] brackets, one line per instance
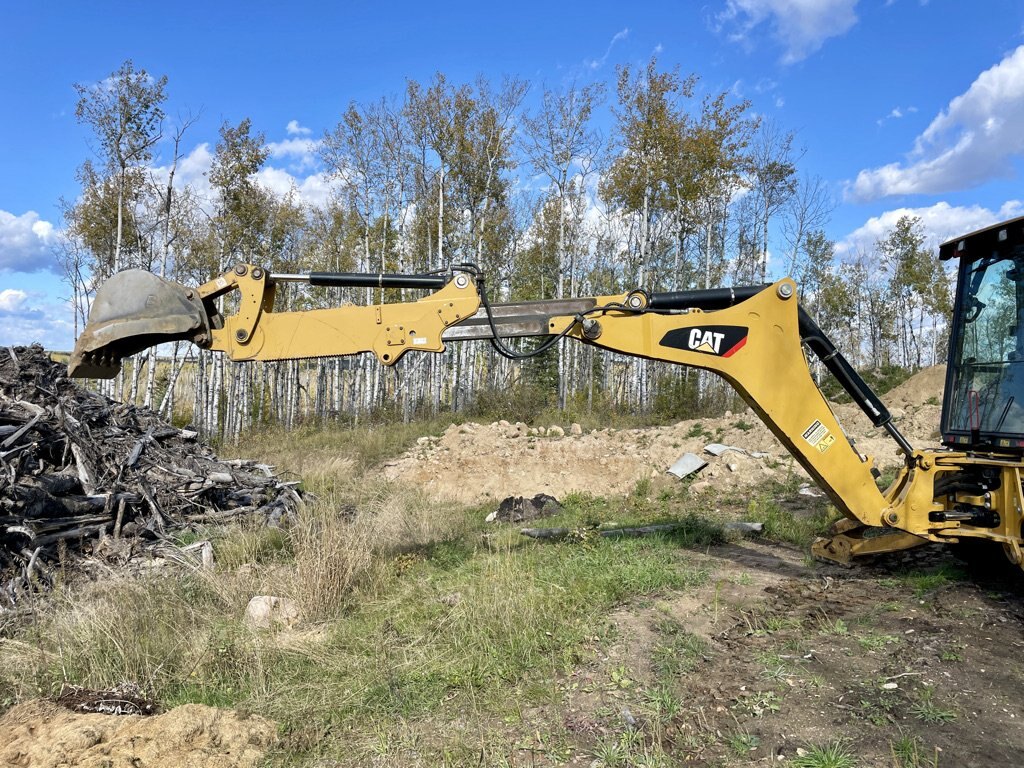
[818, 436]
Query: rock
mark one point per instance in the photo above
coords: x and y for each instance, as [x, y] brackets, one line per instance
[700, 486]
[422, 441]
[504, 423]
[266, 611]
[556, 431]
[516, 509]
[575, 429]
[467, 429]
[533, 432]
[727, 415]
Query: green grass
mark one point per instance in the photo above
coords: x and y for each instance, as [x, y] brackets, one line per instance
[782, 525]
[834, 755]
[677, 652]
[908, 752]
[927, 710]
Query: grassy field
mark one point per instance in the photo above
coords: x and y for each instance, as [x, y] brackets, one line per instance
[432, 638]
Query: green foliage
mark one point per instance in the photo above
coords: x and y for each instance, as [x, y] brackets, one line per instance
[908, 752]
[523, 403]
[927, 710]
[834, 755]
[881, 380]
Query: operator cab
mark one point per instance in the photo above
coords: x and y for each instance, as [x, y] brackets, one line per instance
[983, 407]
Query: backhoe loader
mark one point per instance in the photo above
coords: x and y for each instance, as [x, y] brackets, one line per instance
[753, 337]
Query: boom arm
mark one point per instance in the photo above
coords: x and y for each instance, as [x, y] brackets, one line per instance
[750, 336]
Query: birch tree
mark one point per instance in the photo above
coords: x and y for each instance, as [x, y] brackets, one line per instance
[125, 113]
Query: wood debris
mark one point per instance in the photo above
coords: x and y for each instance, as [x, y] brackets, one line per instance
[83, 476]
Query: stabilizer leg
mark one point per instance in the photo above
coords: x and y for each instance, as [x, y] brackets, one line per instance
[849, 539]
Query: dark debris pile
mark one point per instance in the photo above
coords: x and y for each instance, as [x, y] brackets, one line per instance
[82, 476]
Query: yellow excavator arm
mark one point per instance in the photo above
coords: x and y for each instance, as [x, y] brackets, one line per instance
[752, 337]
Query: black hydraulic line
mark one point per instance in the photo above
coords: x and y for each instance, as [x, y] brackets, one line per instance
[375, 280]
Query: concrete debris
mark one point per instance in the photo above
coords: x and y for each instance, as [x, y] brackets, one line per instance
[267, 611]
[686, 465]
[717, 449]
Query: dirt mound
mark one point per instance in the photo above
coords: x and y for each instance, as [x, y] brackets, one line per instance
[923, 388]
[480, 463]
[40, 734]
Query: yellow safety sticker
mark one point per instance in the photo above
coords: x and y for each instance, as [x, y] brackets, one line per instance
[818, 436]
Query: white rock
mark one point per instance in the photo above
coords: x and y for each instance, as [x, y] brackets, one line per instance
[422, 441]
[556, 431]
[575, 429]
[265, 611]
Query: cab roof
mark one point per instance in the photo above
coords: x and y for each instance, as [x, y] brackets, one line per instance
[984, 242]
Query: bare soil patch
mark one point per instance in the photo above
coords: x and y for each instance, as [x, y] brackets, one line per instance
[41, 734]
[782, 656]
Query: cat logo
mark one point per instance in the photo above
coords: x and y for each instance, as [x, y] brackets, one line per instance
[718, 340]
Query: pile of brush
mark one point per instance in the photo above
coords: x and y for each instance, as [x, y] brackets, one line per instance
[82, 476]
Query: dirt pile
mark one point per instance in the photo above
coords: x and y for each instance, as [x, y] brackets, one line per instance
[480, 463]
[83, 475]
[44, 735]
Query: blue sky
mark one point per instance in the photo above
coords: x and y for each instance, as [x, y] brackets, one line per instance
[902, 106]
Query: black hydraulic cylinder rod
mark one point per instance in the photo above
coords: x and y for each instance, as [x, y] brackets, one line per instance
[375, 280]
[855, 386]
[710, 299]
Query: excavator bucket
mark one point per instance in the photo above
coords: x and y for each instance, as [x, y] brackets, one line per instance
[132, 311]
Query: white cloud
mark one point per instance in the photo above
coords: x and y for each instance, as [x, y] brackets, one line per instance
[11, 299]
[622, 34]
[801, 26]
[25, 243]
[896, 113]
[940, 223]
[971, 141]
[314, 189]
[294, 129]
[29, 317]
[300, 153]
[293, 148]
